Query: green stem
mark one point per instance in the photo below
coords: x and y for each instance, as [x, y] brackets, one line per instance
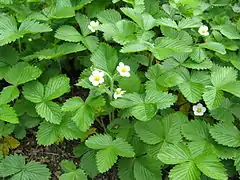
[100, 122]
[19, 45]
[150, 60]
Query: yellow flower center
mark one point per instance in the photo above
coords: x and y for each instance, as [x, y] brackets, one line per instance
[118, 91]
[124, 69]
[97, 78]
[204, 30]
[199, 110]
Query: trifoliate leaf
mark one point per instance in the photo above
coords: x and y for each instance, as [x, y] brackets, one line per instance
[226, 134]
[68, 33]
[56, 87]
[208, 163]
[50, 111]
[185, 171]
[105, 58]
[8, 114]
[22, 73]
[214, 46]
[8, 94]
[174, 154]
[34, 91]
[15, 165]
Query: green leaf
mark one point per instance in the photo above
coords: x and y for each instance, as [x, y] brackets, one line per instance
[169, 79]
[134, 80]
[68, 33]
[174, 154]
[34, 91]
[50, 111]
[88, 164]
[105, 159]
[56, 87]
[233, 88]
[77, 174]
[105, 58]
[226, 134]
[147, 168]
[193, 91]
[168, 23]
[150, 132]
[196, 130]
[148, 21]
[99, 141]
[144, 112]
[222, 76]
[83, 21]
[128, 100]
[67, 166]
[31, 26]
[198, 54]
[15, 164]
[72, 104]
[8, 114]
[123, 148]
[109, 16]
[22, 73]
[8, 94]
[185, 171]
[134, 15]
[214, 46]
[125, 169]
[47, 134]
[212, 97]
[208, 164]
[230, 31]
[84, 117]
[189, 23]
[60, 9]
[6, 128]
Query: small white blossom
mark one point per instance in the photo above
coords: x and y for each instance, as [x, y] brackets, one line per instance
[118, 93]
[93, 26]
[199, 109]
[123, 70]
[203, 30]
[96, 78]
[29, 39]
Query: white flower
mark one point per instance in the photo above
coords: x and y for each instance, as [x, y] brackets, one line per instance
[93, 26]
[118, 93]
[96, 77]
[203, 30]
[123, 70]
[199, 109]
[29, 39]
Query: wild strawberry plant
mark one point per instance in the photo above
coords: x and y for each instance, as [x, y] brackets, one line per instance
[161, 78]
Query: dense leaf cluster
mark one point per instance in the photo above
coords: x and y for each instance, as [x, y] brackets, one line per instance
[161, 78]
